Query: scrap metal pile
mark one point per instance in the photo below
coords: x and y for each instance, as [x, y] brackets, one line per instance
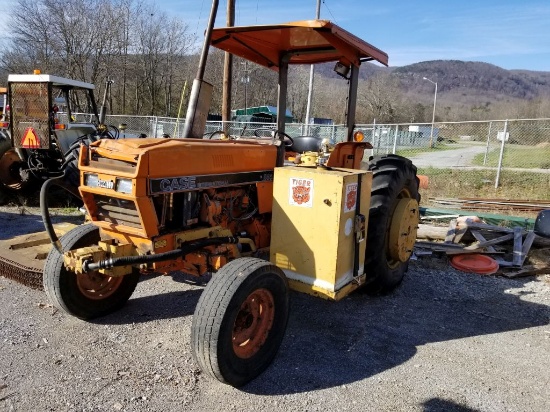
[474, 246]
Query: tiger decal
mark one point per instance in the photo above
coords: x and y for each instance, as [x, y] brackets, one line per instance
[300, 194]
[351, 199]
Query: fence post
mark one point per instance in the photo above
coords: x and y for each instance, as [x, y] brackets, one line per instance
[374, 136]
[497, 180]
[487, 147]
[155, 124]
[395, 138]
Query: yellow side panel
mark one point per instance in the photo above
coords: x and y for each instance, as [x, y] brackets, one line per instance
[313, 237]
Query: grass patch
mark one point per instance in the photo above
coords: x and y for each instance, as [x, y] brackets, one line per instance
[457, 183]
[527, 157]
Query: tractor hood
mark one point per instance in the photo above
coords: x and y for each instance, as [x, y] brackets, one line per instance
[175, 157]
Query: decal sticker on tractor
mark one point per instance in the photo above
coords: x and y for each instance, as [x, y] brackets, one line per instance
[30, 139]
[188, 183]
[301, 192]
[351, 197]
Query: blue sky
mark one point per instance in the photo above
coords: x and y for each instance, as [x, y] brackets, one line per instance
[511, 34]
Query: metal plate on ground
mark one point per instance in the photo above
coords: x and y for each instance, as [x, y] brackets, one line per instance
[22, 257]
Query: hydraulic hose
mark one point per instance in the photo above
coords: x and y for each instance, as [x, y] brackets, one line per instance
[173, 254]
[45, 212]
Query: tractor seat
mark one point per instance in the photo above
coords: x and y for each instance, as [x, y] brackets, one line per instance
[305, 144]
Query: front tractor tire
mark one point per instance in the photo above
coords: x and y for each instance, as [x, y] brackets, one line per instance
[240, 320]
[89, 295]
[393, 222]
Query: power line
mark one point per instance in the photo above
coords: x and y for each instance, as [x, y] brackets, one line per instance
[333, 18]
[199, 19]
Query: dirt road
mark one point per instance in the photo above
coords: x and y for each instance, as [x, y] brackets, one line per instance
[444, 341]
[459, 157]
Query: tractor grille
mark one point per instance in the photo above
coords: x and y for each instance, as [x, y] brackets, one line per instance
[117, 211]
[30, 111]
[112, 164]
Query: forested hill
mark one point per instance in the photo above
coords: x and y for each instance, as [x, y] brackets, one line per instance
[465, 91]
[477, 78]
[482, 78]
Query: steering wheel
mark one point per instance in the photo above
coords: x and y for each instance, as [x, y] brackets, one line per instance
[216, 133]
[258, 132]
[286, 138]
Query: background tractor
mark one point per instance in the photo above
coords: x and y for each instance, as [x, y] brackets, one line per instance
[40, 138]
[266, 214]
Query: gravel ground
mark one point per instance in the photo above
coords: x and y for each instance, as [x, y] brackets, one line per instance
[443, 341]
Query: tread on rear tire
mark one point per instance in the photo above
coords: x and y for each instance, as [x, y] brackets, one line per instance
[394, 178]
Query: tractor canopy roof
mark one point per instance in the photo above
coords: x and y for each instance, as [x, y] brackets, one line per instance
[302, 42]
[48, 78]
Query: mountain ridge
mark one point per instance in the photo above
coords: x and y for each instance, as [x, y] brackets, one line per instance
[479, 78]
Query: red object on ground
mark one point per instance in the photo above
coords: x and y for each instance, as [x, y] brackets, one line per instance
[423, 181]
[475, 263]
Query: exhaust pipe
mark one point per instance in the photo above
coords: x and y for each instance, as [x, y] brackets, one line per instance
[201, 92]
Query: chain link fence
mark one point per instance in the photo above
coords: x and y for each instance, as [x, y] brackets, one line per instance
[480, 163]
[493, 166]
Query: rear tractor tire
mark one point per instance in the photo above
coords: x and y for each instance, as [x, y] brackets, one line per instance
[10, 163]
[89, 295]
[393, 222]
[240, 320]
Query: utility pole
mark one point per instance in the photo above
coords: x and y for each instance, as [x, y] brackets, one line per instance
[228, 72]
[311, 74]
[245, 79]
[433, 114]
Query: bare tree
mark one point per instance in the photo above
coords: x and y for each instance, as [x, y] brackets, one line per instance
[94, 40]
[379, 95]
[298, 91]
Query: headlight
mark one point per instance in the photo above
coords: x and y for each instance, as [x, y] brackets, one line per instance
[124, 186]
[90, 180]
[93, 180]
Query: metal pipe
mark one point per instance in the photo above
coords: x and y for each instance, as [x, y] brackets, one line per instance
[311, 76]
[160, 257]
[281, 106]
[207, 37]
[227, 72]
[198, 83]
[282, 93]
[352, 101]
[103, 109]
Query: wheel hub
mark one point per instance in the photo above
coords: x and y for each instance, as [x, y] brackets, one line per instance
[253, 323]
[96, 286]
[403, 228]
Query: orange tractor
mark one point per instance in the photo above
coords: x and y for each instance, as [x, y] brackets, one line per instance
[264, 214]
